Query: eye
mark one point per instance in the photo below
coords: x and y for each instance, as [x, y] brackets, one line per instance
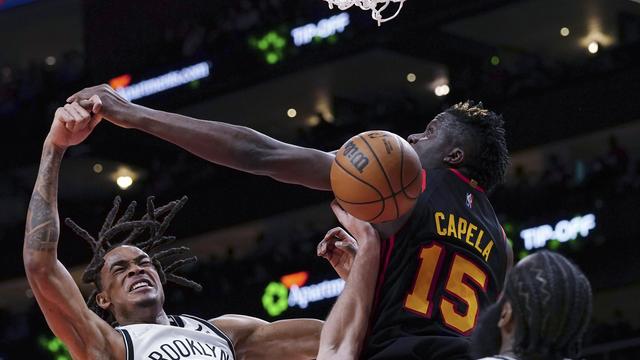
[118, 270]
[145, 263]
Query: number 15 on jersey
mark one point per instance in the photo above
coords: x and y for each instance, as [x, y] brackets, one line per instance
[420, 299]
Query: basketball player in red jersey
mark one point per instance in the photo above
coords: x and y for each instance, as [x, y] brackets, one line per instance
[129, 282]
[441, 264]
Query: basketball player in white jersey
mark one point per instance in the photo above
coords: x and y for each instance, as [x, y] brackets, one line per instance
[129, 283]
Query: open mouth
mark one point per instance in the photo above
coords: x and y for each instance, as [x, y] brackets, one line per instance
[140, 284]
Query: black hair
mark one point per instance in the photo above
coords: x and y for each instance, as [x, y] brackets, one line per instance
[551, 302]
[156, 229]
[488, 160]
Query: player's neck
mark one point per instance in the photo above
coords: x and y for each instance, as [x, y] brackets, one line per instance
[144, 316]
[507, 350]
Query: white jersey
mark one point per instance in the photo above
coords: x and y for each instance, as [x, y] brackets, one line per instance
[187, 337]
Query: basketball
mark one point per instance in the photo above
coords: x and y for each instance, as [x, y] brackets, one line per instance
[376, 176]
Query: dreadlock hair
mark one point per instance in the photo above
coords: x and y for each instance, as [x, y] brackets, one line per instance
[149, 222]
[489, 158]
[551, 302]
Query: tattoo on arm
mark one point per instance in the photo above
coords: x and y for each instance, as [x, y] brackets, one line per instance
[43, 225]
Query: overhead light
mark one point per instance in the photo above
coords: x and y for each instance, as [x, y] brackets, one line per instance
[495, 60]
[593, 47]
[292, 113]
[565, 31]
[411, 77]
[50, 60]
[442, 90]
[124, 182]
[97, 168]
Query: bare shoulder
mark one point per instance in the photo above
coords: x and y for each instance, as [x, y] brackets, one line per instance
[237, 327]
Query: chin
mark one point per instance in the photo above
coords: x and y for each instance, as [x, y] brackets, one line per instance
[147, 299]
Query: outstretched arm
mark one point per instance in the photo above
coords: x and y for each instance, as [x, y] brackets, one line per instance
[57, 294]
[224, 144]
[346, 327]
[257, 339]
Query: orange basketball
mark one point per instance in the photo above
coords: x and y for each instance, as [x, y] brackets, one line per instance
[376, 176]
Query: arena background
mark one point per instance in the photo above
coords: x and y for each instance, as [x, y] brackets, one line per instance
[313, 76]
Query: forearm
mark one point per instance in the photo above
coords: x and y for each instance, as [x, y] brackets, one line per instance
[237, 147]
[43, 225]
[347, 324]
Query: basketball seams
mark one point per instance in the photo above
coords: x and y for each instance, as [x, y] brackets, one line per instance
[386, 197]
[366, 183]
[384, 172]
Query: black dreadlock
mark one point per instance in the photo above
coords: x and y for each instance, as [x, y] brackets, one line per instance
[489, 157]
[150, 221]
[551, 301]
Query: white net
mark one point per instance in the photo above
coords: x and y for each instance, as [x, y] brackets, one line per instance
[376, 7]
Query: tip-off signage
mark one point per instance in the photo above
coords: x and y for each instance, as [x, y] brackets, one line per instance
[565, 230]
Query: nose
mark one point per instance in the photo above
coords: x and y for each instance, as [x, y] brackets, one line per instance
[135, 270]
[412, 139]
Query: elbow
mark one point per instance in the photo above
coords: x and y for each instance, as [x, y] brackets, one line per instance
[36, 266]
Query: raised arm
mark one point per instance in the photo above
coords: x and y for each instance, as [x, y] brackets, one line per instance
[295, 339]
[224, 144]
[58, 296]
[344, 331]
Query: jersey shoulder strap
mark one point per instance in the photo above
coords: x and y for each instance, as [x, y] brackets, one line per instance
[213, 328]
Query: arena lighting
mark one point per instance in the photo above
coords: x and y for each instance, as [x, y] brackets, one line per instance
[442, 90]
[593, 47]
[97, 168]
[563, 231]
[565, 31]
[160, 83]
[124, 182]
[291, 292]
[303, 35]
[50, 60]
[292, 113]
[411, 77]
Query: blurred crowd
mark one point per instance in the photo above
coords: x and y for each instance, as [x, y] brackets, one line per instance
[608, 185]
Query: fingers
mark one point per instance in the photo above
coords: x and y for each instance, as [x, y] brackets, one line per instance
[336, 238]
[97, 104]
[80, 117]
[337, 233]
[93, 105]
[87, 93]
[323, 246]
[348, 246]
[63, 116]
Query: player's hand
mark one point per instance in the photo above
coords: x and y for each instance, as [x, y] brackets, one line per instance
[362, 231]
[71, 125]
[112, 106]
[340, 249]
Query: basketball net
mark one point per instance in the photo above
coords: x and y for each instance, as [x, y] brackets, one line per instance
[376, 7]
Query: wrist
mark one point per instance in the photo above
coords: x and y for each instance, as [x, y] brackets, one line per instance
[368, 235]
[135, 115]
[50, 144]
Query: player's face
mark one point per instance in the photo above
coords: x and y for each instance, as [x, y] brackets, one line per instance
[130, 280]
[434, 143]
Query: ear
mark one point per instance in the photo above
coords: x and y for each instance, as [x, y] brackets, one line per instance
[507, 321]
[103, 300]
[455, 157]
